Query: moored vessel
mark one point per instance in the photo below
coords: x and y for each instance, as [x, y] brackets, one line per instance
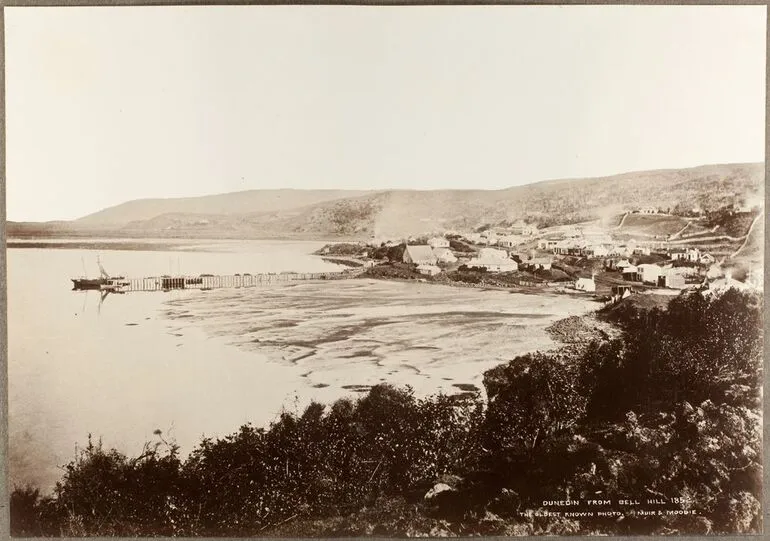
[104, 282]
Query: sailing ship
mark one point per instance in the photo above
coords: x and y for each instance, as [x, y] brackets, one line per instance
[105, 282]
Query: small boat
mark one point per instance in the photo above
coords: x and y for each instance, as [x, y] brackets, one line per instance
[88, 283]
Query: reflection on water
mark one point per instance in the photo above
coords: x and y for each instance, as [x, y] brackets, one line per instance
[192, 363]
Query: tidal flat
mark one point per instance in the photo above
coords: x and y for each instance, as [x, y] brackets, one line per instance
[357, 333]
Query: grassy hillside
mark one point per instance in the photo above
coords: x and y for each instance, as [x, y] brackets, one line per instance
[751, 253]
[330, 214]
[644, 225]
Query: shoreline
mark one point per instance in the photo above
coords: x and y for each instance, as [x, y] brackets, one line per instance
[548, 289]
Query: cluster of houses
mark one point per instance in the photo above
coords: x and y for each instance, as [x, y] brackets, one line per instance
[693, 255]
[666, 276]
[427, 257]
[494, 260]
[591, 244]
[653, 274]
[506, 237]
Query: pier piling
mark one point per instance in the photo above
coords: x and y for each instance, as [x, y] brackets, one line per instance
[221, 281]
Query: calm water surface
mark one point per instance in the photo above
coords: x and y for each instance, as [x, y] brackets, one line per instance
[198, 363]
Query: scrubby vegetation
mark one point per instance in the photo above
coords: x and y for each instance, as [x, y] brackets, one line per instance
[344, 249]
[461, 245]
[729, 222]
[670, 410]
[389, 253]
[394, 270]
[480, 276]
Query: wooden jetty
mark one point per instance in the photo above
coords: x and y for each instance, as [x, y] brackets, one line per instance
[211, 281]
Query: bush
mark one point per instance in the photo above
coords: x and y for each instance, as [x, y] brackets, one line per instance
[26, 506]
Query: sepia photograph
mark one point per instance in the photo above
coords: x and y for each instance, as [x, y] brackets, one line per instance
[312, 271]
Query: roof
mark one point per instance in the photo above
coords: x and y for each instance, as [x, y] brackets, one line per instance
[444, 253]
[493, 254]
[481, 261]
[630, 268]
[420, 253]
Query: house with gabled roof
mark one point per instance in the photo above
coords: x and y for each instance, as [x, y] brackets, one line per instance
[419, 255]
[444, 255]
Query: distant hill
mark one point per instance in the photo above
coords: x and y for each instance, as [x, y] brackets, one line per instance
[229, 203]
[340, 214]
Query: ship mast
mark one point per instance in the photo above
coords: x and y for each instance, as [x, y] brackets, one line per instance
[101, 269]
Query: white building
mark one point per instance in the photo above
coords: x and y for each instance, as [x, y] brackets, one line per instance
[547, 244]
[564, 246]
[495, 265]
[673, 278]
[509, 241]
[649, 273]
[493, 253]
[494, 260]
[438, 242]
[677, 253]
[430, 270]
[630, 273]
[585, 284]
[543, 263]
[522, 228]
[598, 250]
[444, 255]
[489, 238]
[693, 255]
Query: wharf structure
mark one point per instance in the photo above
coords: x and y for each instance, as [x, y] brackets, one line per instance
[211, 281]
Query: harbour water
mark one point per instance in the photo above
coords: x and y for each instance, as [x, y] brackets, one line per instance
[195, 363]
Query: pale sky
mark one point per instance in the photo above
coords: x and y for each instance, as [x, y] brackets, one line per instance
[105, 105]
